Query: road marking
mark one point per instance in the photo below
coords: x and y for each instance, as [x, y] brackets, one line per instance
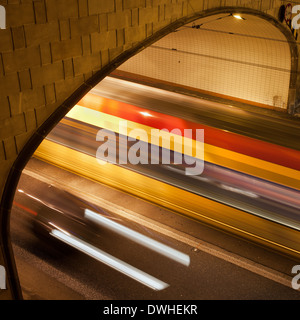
[138, 237]
[201, 245]
[110, 260]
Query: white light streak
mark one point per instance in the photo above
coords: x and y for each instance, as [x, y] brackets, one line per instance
[146, 114]
[237, 16]
[109, 260]
[138, 237]
[237, 190]
[57, 227]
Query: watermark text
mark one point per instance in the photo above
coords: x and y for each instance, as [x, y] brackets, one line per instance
[137, 146]
[296, 19]
[2, 278]
[295, 283]
[2, 18]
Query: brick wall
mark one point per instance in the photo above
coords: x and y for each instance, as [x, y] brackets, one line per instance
[53, 51]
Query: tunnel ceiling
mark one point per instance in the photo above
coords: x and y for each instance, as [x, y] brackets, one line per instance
[247, 59]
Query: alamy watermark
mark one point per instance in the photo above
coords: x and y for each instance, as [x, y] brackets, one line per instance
[2, 278]
[296, 19]
[162, 147]
[2, 17]
[295, 283]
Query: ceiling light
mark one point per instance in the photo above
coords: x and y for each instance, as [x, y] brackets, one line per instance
[237, 16]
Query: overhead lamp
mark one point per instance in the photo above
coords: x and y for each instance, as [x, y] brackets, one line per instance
[198, 26]
[237, 16]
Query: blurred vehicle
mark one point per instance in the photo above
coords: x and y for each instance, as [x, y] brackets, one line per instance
[54, 208]
[67, 221]
[250, 184]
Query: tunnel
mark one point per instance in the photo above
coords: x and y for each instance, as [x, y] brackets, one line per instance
[54, 52]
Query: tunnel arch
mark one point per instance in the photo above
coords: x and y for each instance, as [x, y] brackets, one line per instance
[41, 132]
[251, 62]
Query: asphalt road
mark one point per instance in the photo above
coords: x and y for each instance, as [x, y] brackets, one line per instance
[221, 266]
